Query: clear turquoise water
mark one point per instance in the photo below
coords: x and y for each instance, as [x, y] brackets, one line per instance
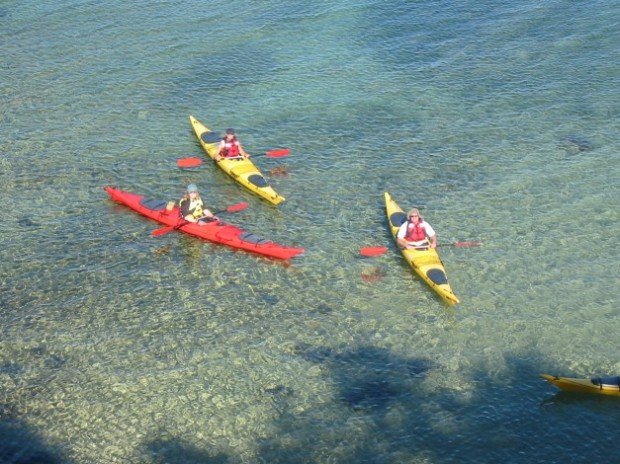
[499, 120]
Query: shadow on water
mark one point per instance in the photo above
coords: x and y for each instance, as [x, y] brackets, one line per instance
[565, 399]
[174, 451]
[386, 409]
[367, 377]
[381, 407]
[369, 383]
[19, 444]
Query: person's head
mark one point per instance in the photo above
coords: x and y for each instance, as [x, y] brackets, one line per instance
[230, 133]
[192, 190]
[414, 215]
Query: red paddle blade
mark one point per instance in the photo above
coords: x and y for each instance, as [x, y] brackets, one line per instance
[162, 231]
[467, 244]
[189, 162]
[238, 207]
[373, 251]
[279, 153]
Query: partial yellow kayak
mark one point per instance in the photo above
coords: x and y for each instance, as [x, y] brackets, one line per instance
[242, 170]
[425, 263]
[598, 385]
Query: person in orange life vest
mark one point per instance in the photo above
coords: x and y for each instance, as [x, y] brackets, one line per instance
[416, 232]
[230, 147]
[192, 209]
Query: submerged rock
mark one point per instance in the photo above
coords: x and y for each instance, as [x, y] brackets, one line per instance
[324, 309]
[269, 298]
[573, 144]
[54, 362]
[11, 368]
[279, 390]
[279, 171]
[163, 250]
[26, 222]
[373, 274]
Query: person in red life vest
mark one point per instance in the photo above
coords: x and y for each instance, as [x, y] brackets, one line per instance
[416, 232]
[192, 209]
[230, 147]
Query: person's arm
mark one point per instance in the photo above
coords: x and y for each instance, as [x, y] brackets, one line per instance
[242, 151]
[220, 153]
[400, 236]
[430, 233]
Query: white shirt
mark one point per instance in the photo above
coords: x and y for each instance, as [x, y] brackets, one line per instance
[402, 231]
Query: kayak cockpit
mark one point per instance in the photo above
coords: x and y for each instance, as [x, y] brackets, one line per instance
[606, 382]
[154, 205]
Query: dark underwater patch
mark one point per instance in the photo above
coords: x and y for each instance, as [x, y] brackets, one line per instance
[26, 222]
[176, 451]
[8, 411]
[54, 362]
[269, 298]
[371, 394]
[11, 368]
[38, 350]
[279, 390]
[573, 144]
[313, 354]
[367, 377]
[324, 309]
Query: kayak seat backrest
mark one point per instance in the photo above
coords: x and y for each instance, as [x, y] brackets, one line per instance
[210, 137]
[606, 381]
[252, 238]
[398, 219]
[155, 205]
[258, 180]
[437, 276]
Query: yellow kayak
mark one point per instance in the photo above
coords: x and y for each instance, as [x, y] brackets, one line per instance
[242, 170]
[425, 263]
[602, 386]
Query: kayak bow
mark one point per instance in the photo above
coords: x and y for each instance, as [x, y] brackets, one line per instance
[601, 386]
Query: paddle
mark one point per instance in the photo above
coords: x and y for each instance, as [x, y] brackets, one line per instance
[192, 162]
[373, 251]
[189, 162]
[277, 153]
[231, 209]
[379, 250]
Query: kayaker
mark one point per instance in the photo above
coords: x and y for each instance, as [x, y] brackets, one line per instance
[192, 209]
[416, 232]
[230, 147]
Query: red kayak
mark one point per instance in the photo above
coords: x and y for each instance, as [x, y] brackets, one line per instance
[216, 231]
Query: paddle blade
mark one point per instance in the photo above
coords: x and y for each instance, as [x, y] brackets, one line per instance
[189, 162]
[238, 207]
[373, 251]
[467, 244]
[279, 153]
[162, 231]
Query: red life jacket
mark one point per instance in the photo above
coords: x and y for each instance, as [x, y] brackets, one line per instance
[231, 148]
[415, 232]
